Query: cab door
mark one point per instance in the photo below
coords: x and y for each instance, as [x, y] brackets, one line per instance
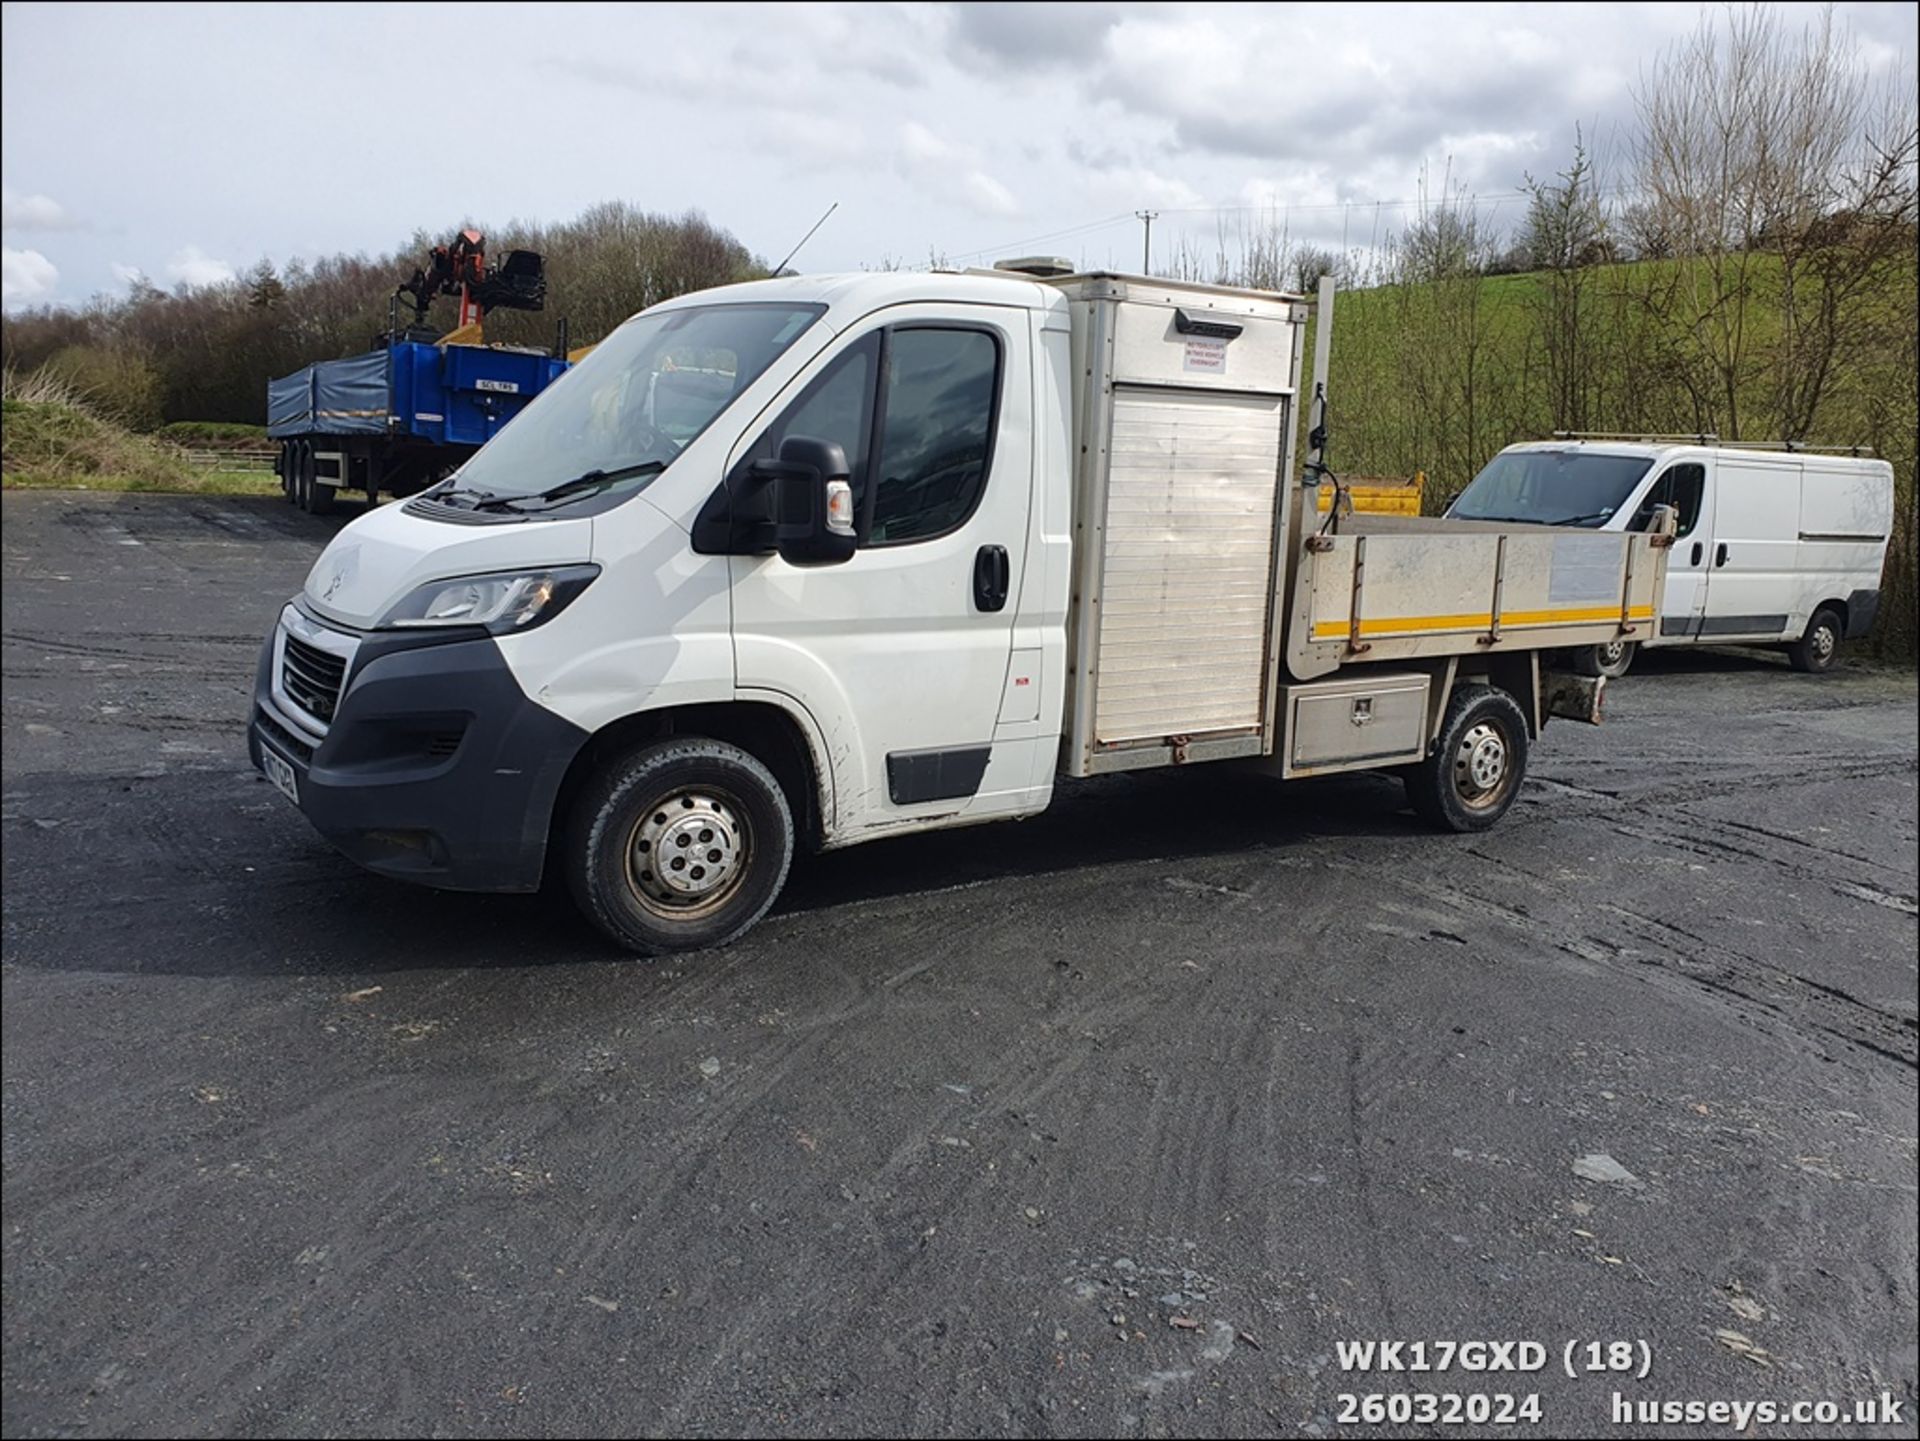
[1687, 486]
[900, 655]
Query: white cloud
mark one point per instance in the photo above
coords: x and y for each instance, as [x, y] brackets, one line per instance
[26, 276]
[193, 266]
[1125, 186]
[33, 212]
[937, 164]
[127, 274]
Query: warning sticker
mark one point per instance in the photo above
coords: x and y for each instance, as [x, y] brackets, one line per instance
[1207, 356]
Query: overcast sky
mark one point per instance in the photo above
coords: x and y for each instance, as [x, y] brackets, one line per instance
[185, 142]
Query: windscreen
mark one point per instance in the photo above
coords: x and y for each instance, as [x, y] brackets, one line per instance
[637, 401]
[1551, 487]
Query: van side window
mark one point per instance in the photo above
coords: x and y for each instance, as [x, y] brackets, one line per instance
[936, 434]
[1681, 486]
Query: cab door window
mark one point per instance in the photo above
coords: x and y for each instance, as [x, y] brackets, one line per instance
[1683, 487]
[936, 434]
[915, 409]
[836, 406]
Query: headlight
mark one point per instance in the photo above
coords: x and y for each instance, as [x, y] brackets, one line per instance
[504, 602]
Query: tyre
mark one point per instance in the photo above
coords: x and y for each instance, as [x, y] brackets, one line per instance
[1611, 660]
[285, 467]
[678, 846]
[1817, 650]
[1474, 771]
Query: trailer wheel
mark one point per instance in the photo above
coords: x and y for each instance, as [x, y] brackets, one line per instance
[1817, 650]
[290, 470]
[1474, 771]
[315, 498]
[678, 846]
[1611, 660]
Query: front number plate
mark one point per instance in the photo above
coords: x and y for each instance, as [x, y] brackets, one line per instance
[281, 774]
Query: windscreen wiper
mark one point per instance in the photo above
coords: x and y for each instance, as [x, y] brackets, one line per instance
[479, 497]
[1581, 519]
[586, 481]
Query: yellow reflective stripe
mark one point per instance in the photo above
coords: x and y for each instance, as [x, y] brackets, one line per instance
[1332, 629]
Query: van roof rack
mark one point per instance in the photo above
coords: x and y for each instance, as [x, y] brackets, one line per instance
[1707, 437]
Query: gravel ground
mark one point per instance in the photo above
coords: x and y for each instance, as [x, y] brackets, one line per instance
[1117, 1121]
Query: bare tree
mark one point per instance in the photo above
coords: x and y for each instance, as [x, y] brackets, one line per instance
[1311, 262]
[1767, 154]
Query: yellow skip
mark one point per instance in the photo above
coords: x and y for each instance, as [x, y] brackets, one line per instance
[1395, 625]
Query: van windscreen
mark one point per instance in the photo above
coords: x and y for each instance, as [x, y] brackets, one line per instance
[644, 394]
[1551, 487]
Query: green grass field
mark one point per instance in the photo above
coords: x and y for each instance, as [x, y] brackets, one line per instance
[213, 434]
[61, 444]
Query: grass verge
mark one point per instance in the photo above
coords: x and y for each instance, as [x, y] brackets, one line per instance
[51, 438]
[193, 483]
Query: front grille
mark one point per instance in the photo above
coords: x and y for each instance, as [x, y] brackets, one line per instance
[293, 744]
[444, 744]
[311, 677]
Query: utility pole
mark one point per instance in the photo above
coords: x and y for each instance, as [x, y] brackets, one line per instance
[1147, 217]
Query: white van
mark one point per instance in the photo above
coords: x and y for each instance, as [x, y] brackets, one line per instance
[1774, 547]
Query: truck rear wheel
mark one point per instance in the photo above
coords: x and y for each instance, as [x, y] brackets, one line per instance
[1817, 650]
[315, 498]
[679, 846]
[1472, 775]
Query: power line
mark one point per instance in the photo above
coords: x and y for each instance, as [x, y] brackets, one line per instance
[1488, 200]
[1006, 245]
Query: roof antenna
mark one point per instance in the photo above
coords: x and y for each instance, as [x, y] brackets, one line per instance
[805, 238]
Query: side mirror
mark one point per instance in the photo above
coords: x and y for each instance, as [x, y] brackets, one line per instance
[812, 502]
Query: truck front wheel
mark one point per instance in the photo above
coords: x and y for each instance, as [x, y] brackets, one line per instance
[1473, 773]
[679, 846]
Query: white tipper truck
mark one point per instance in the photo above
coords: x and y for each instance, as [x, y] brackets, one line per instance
[915, 548]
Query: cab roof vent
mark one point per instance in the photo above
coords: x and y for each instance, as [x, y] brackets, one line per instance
[1046, 267]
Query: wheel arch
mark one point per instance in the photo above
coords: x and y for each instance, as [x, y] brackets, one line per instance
[772, 734]
[1516, 672]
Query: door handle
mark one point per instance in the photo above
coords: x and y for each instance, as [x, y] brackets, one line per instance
[991, 577]
[1720, 555]
[1698, 551]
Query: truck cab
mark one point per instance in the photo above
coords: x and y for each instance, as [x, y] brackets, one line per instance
[497, 636]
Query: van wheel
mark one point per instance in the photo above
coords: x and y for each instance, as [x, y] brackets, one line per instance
[1474, 772]
[1817, 650]
[679, 846]
[1611, 660]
